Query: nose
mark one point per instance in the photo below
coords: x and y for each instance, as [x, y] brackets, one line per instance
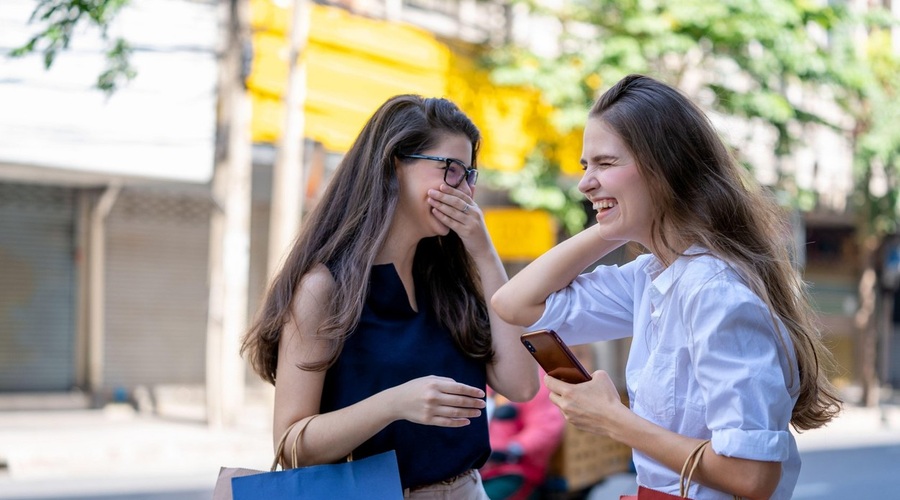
[466, 188]
[587, 183]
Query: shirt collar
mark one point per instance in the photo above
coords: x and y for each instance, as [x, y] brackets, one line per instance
[663, 278]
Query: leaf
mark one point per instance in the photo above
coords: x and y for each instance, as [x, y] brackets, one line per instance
[60, 18]
[749, 55]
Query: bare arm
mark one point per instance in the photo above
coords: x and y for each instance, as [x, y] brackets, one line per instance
[595, 406]
[521, 301]
[513, 373]
[333, 435]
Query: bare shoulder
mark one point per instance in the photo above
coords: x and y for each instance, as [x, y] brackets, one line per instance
[315, 288]
[317, 283]
[310, 303]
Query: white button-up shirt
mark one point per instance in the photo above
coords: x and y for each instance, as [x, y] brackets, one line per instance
[707, 359]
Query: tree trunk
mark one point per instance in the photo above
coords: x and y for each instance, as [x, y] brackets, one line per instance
[867, 321]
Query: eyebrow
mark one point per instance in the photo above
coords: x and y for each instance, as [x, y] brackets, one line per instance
[599, 159]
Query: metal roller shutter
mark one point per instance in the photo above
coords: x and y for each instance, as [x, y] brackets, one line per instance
[37, 288]
[156, 288]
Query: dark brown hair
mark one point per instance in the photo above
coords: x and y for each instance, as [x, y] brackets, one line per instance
[701, 195]
[348, 227]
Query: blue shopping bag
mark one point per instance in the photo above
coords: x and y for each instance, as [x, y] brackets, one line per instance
[375, 477]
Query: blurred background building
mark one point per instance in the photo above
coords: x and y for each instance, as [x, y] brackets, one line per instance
[106, 200]
[104, 208]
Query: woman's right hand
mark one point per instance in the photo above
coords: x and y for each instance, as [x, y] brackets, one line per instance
[439, 401]
[594, 406]
[521, 301]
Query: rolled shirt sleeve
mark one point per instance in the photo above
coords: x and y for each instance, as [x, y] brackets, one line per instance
[598, 305]
[740, 357]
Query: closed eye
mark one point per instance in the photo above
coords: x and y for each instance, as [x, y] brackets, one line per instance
[599, 161]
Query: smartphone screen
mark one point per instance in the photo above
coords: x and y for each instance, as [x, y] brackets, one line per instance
[554, 356]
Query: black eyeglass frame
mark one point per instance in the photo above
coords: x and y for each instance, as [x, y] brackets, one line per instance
[470, 171]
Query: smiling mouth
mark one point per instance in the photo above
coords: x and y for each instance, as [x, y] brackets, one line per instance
[605, 204]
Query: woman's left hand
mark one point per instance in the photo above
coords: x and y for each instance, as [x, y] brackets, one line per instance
[593, 406]
[458, 211]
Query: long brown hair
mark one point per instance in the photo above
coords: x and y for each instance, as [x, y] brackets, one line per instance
[348, 227]
[703, 196]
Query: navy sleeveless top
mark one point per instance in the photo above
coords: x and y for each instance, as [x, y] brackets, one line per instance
[394, 344]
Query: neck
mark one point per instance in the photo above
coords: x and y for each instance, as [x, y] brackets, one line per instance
[399, 249]
[668, 255]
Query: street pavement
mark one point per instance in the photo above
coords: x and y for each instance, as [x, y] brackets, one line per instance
[118, 453]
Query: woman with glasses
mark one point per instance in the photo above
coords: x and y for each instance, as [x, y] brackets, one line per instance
[378, 322]
[724, 352]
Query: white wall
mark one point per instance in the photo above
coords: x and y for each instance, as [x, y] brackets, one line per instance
[161, 125]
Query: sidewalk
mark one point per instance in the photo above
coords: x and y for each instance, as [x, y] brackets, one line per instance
[855, 427]
[118, 450]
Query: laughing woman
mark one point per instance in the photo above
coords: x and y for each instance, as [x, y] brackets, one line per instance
[724, 355]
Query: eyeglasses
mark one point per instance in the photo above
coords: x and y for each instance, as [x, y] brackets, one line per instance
[455, 171]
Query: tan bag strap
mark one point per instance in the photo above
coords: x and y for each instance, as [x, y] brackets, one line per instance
[690, 465]
[302, 424]
[281, 442]
[280, 448]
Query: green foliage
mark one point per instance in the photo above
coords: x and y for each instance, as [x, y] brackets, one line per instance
[539, 185]
[118, 67]
[746, 54]
[60, 18]
[878, 141]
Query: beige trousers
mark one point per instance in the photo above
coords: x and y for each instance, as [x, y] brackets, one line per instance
[466, 487]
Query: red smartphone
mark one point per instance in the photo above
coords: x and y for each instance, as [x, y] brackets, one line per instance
[554, 356]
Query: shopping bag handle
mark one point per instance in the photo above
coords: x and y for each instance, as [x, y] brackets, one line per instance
[302, 423]
[280, 449]
[690, 465]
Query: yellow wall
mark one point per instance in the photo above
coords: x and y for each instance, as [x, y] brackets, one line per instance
[520, 234]
[355, 63]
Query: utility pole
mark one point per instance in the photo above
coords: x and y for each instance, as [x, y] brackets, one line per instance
[288, 182]
[229, 242]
